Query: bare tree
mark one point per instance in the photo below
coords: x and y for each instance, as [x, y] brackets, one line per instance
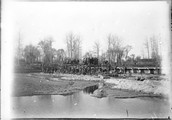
[73, 46]
[97, 48]
[88, 55]
[19, 52]
[127, 50]
[115, 50]
[103, 56]
[147, 46]
[54, 54]
[111, 49]
[60, 56]
[155, 54]
[31, 53]
[142, 52]
[46, 46]
[154, 47]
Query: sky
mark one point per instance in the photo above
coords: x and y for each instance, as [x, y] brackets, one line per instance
[133, 22]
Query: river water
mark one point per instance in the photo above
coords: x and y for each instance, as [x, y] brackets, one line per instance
[81, 104]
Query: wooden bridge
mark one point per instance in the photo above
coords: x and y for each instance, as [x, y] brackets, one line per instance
[141, 70]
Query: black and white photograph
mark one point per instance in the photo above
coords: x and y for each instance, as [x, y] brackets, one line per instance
[86, 59]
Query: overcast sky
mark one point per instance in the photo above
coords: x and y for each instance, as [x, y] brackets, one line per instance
[93, 21]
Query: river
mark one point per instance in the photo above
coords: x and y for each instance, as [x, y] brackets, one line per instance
[82, 104]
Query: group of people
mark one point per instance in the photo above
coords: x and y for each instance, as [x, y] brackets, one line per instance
[90, 66]
[75, 69]
[87, 66]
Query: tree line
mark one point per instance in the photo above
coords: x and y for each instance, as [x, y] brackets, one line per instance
[116, 54]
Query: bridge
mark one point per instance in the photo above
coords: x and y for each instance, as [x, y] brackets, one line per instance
[141, 70]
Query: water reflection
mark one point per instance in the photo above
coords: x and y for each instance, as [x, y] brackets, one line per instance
[83, 105]
[140, 107]
[90, 89]
[71, 102]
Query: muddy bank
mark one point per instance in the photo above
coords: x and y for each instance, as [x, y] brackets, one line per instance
[26, 85]
[108, 91]
[46, 84]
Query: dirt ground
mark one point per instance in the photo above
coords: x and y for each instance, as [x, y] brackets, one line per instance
[48, 84]
[25, 85]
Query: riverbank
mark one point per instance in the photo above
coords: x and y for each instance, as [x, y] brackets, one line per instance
[28, 85]
[65, 84]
